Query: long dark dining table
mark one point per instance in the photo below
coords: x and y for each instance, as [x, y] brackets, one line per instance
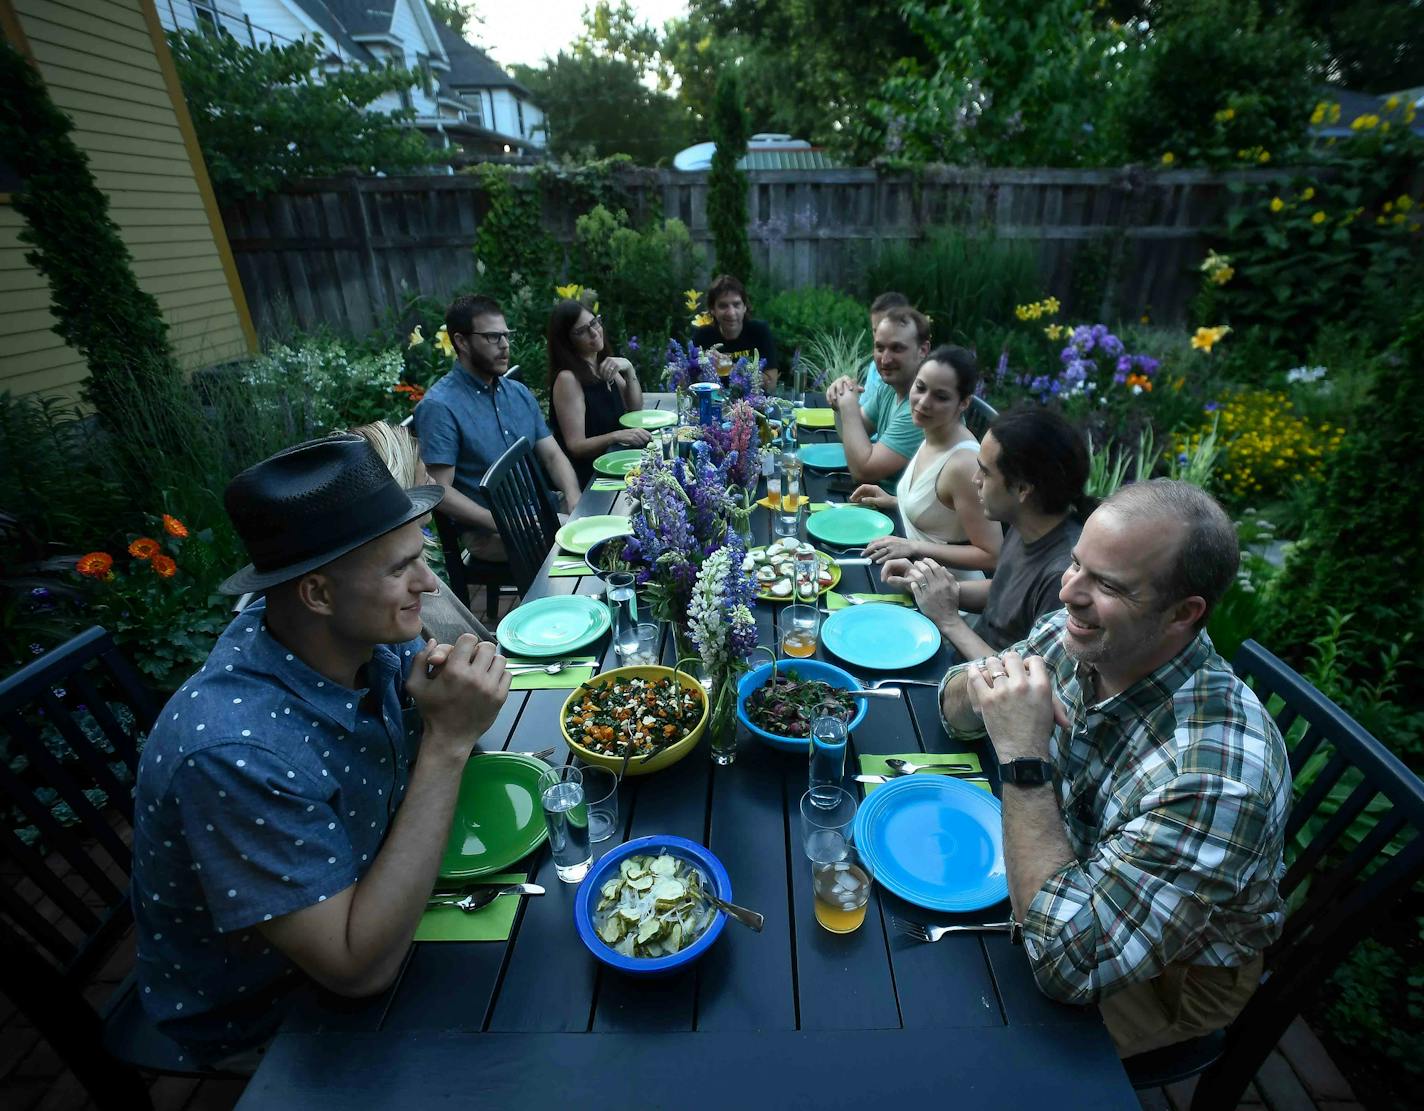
[790, 1017]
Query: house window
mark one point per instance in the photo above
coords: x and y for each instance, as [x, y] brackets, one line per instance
[207, 19]
[519, 111]
[427, 80]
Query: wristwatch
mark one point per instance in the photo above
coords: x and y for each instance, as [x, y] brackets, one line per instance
[1026, 772]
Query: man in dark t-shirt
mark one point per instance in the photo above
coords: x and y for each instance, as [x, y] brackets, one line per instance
[739, 336]
[1032, 469]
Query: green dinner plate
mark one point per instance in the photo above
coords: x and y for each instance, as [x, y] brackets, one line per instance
[816, 418]
[648, 418]
[553, 626]
[847, 526]
[497, 816]
[618, 463]
[581, 534]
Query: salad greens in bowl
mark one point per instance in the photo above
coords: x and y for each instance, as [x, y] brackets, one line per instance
[779, 714]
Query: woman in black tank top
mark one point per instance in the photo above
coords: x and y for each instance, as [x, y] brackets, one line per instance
[589, 389]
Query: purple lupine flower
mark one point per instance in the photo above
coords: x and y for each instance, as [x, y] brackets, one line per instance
[632, 345]
[1003, 367]
[1212, 406]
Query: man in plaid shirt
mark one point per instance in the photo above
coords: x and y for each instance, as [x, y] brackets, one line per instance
[1145, 787]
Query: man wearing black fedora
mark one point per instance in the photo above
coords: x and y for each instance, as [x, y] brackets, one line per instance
[283, 827]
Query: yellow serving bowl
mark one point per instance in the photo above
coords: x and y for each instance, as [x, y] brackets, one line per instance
[638, 765]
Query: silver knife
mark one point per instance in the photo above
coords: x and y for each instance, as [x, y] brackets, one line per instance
[475, 886]
[892, 778]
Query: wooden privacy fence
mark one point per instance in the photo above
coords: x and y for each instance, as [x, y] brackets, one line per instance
[341, 253]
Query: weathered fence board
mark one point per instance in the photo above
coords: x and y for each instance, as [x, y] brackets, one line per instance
[345, 253]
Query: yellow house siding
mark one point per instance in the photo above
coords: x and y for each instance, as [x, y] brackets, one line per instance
[106, 65]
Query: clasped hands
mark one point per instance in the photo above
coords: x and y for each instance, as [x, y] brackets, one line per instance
[1013, 695]
[458, 689]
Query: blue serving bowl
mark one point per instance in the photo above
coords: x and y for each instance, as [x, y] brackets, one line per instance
[587, 899]
[806, 669]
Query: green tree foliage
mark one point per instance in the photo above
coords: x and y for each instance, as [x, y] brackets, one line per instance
[1362, 548]
[268, 115]
[1220, 84]
[455, 14]
[99, 308]
[596, 105]
[1009, 82]
[727, 185]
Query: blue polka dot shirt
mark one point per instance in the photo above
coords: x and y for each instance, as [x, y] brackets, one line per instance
[263, 788]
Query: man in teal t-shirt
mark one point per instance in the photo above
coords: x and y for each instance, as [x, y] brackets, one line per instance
[876, 428]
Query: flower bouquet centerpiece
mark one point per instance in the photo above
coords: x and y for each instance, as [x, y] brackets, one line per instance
[724, 633]
[735, 445]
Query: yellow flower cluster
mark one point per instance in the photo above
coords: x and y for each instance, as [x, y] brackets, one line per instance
[1367, 122]
[1058, 331]
[1047, 307]
[1268, 445]
[1168, 158]
[1325, 111]
[441, 340]
[571, 292]
[1226, 115]
[1254, 154]
[693, 298]
[1207, 338]
[1218, 268]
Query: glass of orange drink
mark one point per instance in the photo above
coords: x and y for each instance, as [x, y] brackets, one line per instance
[799, 626]
[840, 882]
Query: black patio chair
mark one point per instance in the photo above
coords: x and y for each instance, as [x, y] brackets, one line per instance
[979, 416]
[518, 496]
[70, 726]
[1337, 891]
[463, 571]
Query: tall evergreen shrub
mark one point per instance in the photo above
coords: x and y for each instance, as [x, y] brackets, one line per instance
[727, 185]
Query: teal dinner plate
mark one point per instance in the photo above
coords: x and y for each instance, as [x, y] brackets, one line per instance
[582, 533]
[934, 842]
[618, 463]
[883, 637]
[648, 418]
[849, 526]
[497, 815]
[553, 626]
[824, 457]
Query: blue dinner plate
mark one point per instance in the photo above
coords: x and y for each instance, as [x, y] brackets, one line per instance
[934, 842]
[823, 457]
[882, 637]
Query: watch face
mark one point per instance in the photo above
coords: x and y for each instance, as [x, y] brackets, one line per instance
[1026, 771]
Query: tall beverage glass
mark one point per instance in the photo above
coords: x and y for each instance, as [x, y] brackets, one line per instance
[566, 814]
[623, 612]
[828, 748]
[840, 882]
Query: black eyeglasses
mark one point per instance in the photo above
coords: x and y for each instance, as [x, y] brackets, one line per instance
[494, 339]
[587, 329]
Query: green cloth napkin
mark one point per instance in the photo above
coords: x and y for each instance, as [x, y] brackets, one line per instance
[568, 572]
[876, 765]
[817, 506]
[606, 484]
[836, 601]
[567, 679]
[491, 923]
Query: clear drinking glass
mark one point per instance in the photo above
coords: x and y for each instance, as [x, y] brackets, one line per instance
[565, 807]
[600, 790]
[799, 626]
[840, 882]
[646, 653]
[828, 749]
[808, 575]
[786, 524]
[623, 611]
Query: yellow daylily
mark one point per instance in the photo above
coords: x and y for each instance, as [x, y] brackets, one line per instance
[1168, 158]
[1226, 115]
[702, 319]
[1318, 217]
[1308, 193]
[442, 341]
[692, 296]
[569, 292]
[416, 339]
[1223, 274]
[1277, 204]
[1405, 202]
[1206, 338]
[1391, 104]
[1264, 156]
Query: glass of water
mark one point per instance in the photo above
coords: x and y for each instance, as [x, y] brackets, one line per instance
[566, 814]
[840, 882]
[646, 652]
[600, 791]
[786, 524]
[623, 611]
[828, 747]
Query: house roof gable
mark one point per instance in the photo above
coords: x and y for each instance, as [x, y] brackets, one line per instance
[471, 67]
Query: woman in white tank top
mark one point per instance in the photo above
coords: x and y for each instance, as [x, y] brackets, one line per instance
[939, 508]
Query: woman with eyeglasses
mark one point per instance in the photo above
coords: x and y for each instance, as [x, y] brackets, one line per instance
[589, 389]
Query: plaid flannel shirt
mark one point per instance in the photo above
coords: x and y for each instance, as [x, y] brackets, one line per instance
[1174, 795]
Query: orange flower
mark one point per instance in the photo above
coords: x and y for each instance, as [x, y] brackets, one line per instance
[144, 548]
[414, 393]
[164, 566]
[96, 564]
[175, 527]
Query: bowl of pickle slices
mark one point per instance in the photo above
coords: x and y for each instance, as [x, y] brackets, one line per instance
[641, 910]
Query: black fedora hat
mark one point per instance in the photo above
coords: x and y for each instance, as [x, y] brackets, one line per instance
[309, 504]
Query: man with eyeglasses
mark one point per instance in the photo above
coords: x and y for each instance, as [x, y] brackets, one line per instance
[469, 418]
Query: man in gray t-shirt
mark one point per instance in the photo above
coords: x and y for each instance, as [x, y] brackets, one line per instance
[1032, 468]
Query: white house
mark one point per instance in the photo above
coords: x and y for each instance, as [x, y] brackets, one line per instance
[461, 98]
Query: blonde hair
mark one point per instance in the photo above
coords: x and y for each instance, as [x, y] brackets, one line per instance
[396, 447]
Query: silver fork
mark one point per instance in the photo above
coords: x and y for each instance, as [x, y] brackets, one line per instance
[921, 932]
[878, 683]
